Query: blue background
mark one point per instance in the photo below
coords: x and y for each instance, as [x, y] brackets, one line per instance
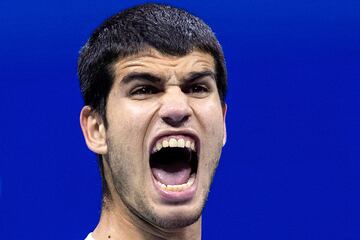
[290, 169]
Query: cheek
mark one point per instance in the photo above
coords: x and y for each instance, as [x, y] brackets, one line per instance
[212, 124]
[128, 127]
[212, 120]
[129, 119]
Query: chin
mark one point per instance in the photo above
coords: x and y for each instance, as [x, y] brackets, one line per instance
[176, 220]
[170, 216]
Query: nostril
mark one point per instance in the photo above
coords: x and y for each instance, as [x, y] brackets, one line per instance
[174, 107]
[176, 121]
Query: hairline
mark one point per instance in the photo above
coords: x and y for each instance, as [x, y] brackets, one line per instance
[107, 55]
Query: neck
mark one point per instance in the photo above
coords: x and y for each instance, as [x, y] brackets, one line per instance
[117, 222]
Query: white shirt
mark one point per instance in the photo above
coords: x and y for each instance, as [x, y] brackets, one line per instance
[89, 237]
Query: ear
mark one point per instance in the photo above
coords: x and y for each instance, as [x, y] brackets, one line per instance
[224, 108]
[93, 130]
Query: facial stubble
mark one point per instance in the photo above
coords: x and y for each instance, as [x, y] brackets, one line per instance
[138, 205]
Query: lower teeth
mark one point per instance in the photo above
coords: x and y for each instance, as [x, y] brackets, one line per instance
[177, 188]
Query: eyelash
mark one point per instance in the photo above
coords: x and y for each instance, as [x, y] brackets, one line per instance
[197, 88]
[194, 89]
[144, 90]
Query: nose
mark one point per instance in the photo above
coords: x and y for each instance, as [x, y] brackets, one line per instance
[175, 110]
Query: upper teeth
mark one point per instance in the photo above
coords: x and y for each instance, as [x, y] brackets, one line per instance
[174, 142]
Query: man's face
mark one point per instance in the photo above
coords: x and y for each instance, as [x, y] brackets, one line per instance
[165, 133]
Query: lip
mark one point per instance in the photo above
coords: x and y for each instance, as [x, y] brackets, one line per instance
[187, 133]
[176, 197]
[189, 193]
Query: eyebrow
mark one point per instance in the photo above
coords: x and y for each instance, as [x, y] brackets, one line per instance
[140, 76]
[192, 76]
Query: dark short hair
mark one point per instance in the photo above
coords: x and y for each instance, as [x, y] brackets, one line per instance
[167, 29]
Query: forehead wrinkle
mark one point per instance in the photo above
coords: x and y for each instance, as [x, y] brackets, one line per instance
[165, 66]
[133, 60]
[151, 54]
[148, 52]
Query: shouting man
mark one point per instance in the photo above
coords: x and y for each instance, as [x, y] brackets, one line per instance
[153, 79]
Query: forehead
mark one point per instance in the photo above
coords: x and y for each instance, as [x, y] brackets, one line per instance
[154, 62]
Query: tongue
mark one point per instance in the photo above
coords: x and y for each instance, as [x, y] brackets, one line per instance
[172, 174]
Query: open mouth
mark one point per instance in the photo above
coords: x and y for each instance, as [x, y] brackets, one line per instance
[174, 163]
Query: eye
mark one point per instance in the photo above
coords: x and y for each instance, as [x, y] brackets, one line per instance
[197, 90]
[144, 90]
